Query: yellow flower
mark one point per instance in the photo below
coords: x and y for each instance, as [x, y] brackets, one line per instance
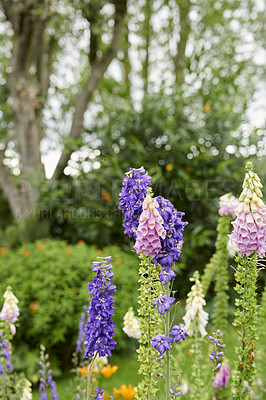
[107, 371]
[126, 391]
[169, 167]
[207, 107]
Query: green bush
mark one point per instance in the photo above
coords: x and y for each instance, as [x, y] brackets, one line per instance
[50, 280]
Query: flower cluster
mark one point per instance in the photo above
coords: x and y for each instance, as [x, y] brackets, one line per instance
[126, 391]
[10, 310]
[228, 203]
[99, 395]
[171, 243]
[100, 328]
[222, 378]
[216, 353]
[4, 347]
[162, 342]
[150, 229]
[195, 318]
[131, 325]
[27, 393]
[250, 225]
[46, 380]
[133, 193]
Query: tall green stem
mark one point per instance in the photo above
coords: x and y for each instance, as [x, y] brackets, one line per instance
[89, 375]
[246, 319]
[168, 374]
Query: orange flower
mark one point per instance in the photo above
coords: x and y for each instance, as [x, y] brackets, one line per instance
[69, 251]
[40, 246]
[169, 167]
[207, 107]
[107, 196]
[2, 250]
[126, 391]
[117, 261]
[80, 241]
[83, 371]
[26, 253]
[107, 371]
[99, 252]
[21, 267]
[34, 307]
[74, 290]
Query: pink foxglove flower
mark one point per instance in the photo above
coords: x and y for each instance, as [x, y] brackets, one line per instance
[10, 310]
[150, 229]
[250, 225]
[227, 204]
[222, 378]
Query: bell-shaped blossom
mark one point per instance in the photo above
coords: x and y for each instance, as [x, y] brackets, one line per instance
[227, 204]
[131, 325]
[134, 191]
[195, 318]
[10, 310]
[250, 225]
[150, 229]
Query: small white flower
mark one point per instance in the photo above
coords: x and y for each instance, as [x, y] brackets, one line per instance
[10, 310]
[131, 325]
[231, 248]
[196, 318]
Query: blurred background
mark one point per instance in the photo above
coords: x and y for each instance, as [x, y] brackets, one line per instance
[92, 88]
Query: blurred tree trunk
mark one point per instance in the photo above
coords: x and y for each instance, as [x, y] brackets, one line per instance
[147, 34]
[185, 28]
[29, 81]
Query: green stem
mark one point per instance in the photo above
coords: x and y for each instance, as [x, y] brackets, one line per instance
[167, 376]
[149, 333]
[89, 375]
[207, 388]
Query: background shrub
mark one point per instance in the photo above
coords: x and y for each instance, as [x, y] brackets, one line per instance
[50, 280]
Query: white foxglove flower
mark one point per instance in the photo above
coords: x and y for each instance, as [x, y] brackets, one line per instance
[27, 394]
[131, 325]
[10, 310]
[196, 318]
[231, 248]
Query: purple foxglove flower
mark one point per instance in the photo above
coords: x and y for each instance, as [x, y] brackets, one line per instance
[222, 378]
[9, 365]
[178, 394]
[163, 303]
[2, 369]
[178, 332]
[81, 334]
[161, 343]
[43, 396]
[99, 328]
[150, 229]
[250, 225]
[133, 193]
[228, 203]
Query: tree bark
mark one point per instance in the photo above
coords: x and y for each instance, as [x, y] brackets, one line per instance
[180, 58]
[85, 94]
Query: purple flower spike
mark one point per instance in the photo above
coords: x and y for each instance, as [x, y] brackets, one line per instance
[178, 394]
[163, 303]
[178, 332]
[134, 191]
[166, 275]
[100, 328]
[222, 378]
[161, 343]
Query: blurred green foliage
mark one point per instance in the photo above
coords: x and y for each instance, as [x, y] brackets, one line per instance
[50, 280]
